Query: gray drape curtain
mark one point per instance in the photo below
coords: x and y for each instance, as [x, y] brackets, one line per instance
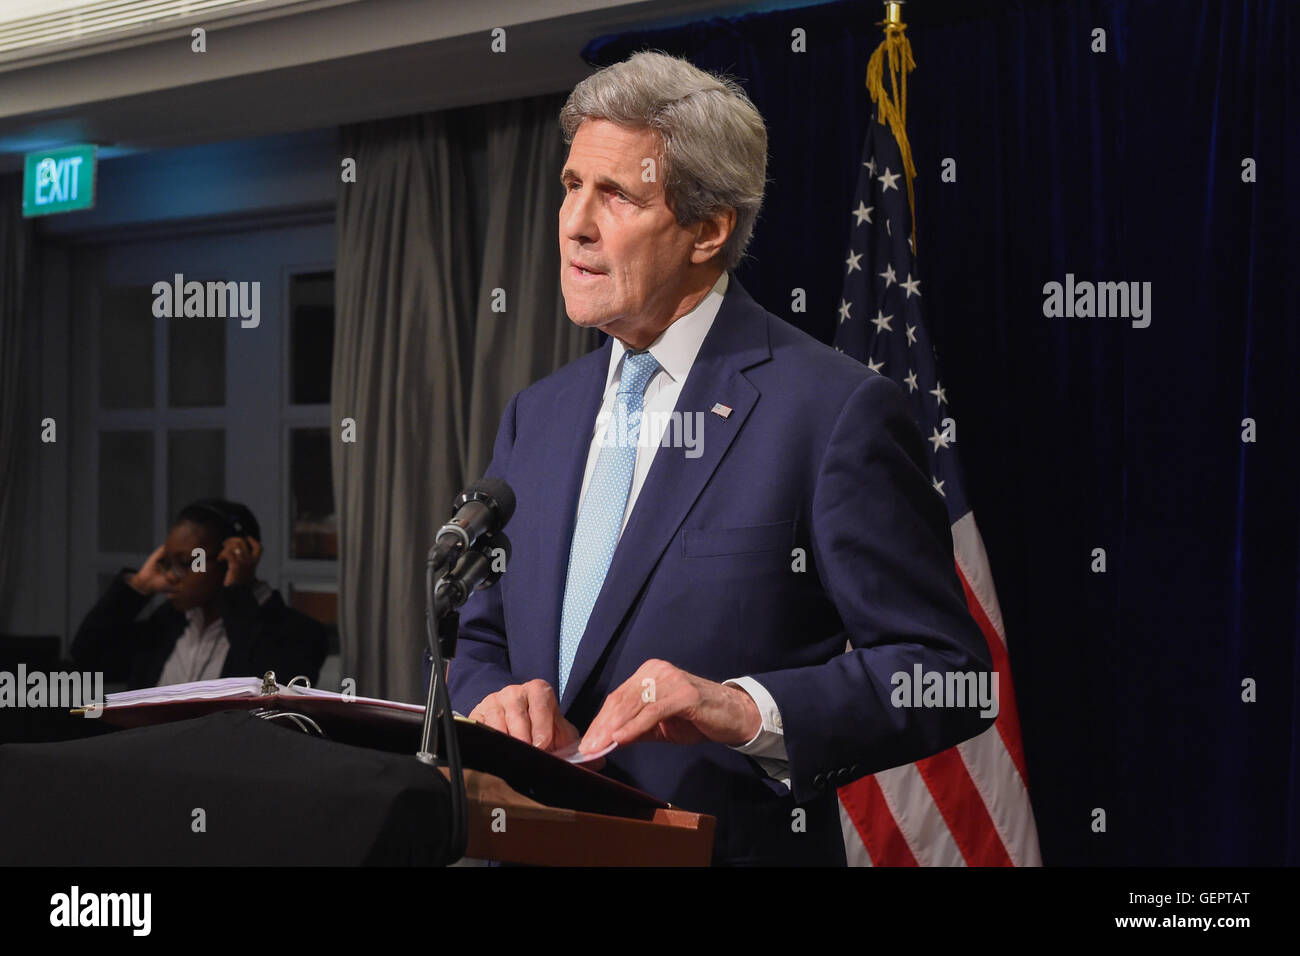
[533, 336]
[16, 425]
[447, 208]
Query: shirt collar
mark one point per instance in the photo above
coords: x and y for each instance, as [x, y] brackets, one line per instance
[676, 347]
[261, 593]
[193, 615]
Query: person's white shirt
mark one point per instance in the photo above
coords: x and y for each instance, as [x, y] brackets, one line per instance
[675, 350]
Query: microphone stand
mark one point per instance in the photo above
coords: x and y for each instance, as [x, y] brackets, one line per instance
[441, 633]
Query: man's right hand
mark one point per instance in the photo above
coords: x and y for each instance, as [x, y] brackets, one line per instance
[150, 579]
[529, 712]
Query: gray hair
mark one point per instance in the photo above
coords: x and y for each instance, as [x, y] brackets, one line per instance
[713, 140]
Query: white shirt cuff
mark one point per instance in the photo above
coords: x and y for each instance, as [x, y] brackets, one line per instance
[768, 745]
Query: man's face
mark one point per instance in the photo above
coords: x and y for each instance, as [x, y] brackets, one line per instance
[193, 588]
[614, 222]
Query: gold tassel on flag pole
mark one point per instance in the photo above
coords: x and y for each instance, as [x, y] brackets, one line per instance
[892, 104]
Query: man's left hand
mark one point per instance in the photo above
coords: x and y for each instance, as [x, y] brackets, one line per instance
[663, 703]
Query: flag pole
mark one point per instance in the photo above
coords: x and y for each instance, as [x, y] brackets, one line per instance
[892, 103]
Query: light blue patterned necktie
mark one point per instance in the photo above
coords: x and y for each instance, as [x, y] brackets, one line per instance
[600, 517]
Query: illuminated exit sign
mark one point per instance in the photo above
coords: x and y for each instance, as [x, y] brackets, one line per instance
[59, 180]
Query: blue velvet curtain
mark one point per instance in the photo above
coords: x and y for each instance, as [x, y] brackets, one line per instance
[1085, 433]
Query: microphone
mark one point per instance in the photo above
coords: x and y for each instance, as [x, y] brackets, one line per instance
[482, 508]
[472, 545]
[479, 568]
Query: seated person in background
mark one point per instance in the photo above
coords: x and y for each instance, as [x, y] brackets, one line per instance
[217, 622]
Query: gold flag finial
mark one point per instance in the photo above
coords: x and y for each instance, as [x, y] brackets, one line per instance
[892, 103]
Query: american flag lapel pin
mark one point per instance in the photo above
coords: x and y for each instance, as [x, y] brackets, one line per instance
[722, 411]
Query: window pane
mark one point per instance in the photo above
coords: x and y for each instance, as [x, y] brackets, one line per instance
[196, 466]
[311, 337]
[313, 532]
[196, 361]
[126, 348]
[126, 491]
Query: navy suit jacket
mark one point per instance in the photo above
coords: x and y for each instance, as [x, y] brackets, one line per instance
[819, 453]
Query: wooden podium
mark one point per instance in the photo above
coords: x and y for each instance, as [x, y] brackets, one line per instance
[505, 825]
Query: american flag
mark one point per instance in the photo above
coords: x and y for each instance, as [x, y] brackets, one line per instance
[968, 805]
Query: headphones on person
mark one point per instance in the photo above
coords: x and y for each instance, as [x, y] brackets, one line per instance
[233, 524]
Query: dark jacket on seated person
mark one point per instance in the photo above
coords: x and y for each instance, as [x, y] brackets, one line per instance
[270, 636]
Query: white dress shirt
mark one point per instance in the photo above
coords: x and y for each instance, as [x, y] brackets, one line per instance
[675, 350]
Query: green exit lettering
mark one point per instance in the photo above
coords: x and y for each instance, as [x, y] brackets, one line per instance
[59, 180]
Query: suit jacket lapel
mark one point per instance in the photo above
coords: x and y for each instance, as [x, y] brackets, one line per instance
[737, 340]
[242, 622]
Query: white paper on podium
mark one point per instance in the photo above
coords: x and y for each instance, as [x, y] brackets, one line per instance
[573, 755]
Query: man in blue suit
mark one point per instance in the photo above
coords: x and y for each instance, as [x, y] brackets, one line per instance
[711, 507]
